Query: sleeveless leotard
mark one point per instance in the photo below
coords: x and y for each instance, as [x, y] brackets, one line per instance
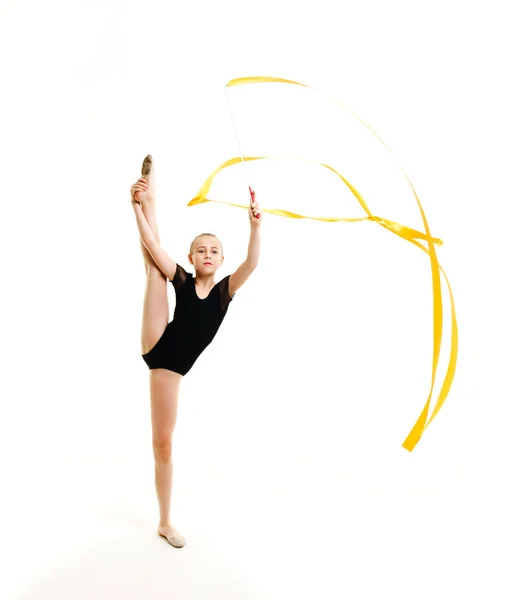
[193, 327]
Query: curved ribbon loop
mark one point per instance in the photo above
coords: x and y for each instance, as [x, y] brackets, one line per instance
[407, 233]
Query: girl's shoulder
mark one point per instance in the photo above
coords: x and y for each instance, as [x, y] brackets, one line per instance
[180, 277]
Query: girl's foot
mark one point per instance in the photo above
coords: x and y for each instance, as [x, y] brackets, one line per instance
[148, 194]
[171, 535]
[147, 165]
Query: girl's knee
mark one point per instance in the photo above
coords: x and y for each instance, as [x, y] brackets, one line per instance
[162, 449]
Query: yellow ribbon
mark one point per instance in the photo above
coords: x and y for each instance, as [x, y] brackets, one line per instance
[411, 235]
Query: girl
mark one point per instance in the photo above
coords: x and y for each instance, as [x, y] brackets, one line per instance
[171, 348]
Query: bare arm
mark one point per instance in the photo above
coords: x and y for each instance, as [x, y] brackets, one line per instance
[243, 272]
[254, 245]
[164, 262]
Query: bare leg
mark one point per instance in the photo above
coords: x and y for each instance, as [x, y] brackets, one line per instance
[164, 401]
[149, 210]
[156, 307]
[147, 195]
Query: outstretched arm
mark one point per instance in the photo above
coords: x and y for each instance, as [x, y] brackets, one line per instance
[164, 262]
[146, 233]
[243, 272]
[254, 245]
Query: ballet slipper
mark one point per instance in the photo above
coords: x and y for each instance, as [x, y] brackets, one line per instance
[176, 540]
[148, 173]
[147, 165]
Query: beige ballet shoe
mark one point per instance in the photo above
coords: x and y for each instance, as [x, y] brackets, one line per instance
[147, 165]
[148, 173]
[176, 540]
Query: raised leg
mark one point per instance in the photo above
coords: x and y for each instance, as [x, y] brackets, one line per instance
[149, 210]
[146, 193]
[155, 315]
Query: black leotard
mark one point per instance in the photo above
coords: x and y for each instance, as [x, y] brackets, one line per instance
[193, 327]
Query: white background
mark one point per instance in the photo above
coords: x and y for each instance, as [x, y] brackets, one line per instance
[289, 475]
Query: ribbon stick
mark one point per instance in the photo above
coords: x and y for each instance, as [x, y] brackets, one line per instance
[241, 153]
[237, 138]
[411, 235]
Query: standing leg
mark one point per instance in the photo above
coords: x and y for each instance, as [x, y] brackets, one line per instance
[164, 399]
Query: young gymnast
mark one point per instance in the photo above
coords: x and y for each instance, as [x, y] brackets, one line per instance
[171, 348]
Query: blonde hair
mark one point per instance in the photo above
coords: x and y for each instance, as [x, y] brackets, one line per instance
[200, 235]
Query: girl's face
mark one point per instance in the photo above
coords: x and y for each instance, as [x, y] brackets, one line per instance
[207, 255]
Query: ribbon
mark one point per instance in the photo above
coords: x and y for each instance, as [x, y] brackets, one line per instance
[411, 235]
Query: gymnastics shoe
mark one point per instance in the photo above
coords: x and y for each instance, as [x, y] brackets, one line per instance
[175, 539]
[148, 173]
[147, 166]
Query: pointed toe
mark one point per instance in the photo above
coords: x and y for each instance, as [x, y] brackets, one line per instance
[147, 165]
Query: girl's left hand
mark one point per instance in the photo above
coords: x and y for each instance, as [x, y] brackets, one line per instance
[254, 211]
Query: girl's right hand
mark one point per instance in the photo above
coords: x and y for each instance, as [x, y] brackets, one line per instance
[138, 191]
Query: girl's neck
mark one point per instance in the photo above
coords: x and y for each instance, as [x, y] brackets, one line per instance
[204, 281]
